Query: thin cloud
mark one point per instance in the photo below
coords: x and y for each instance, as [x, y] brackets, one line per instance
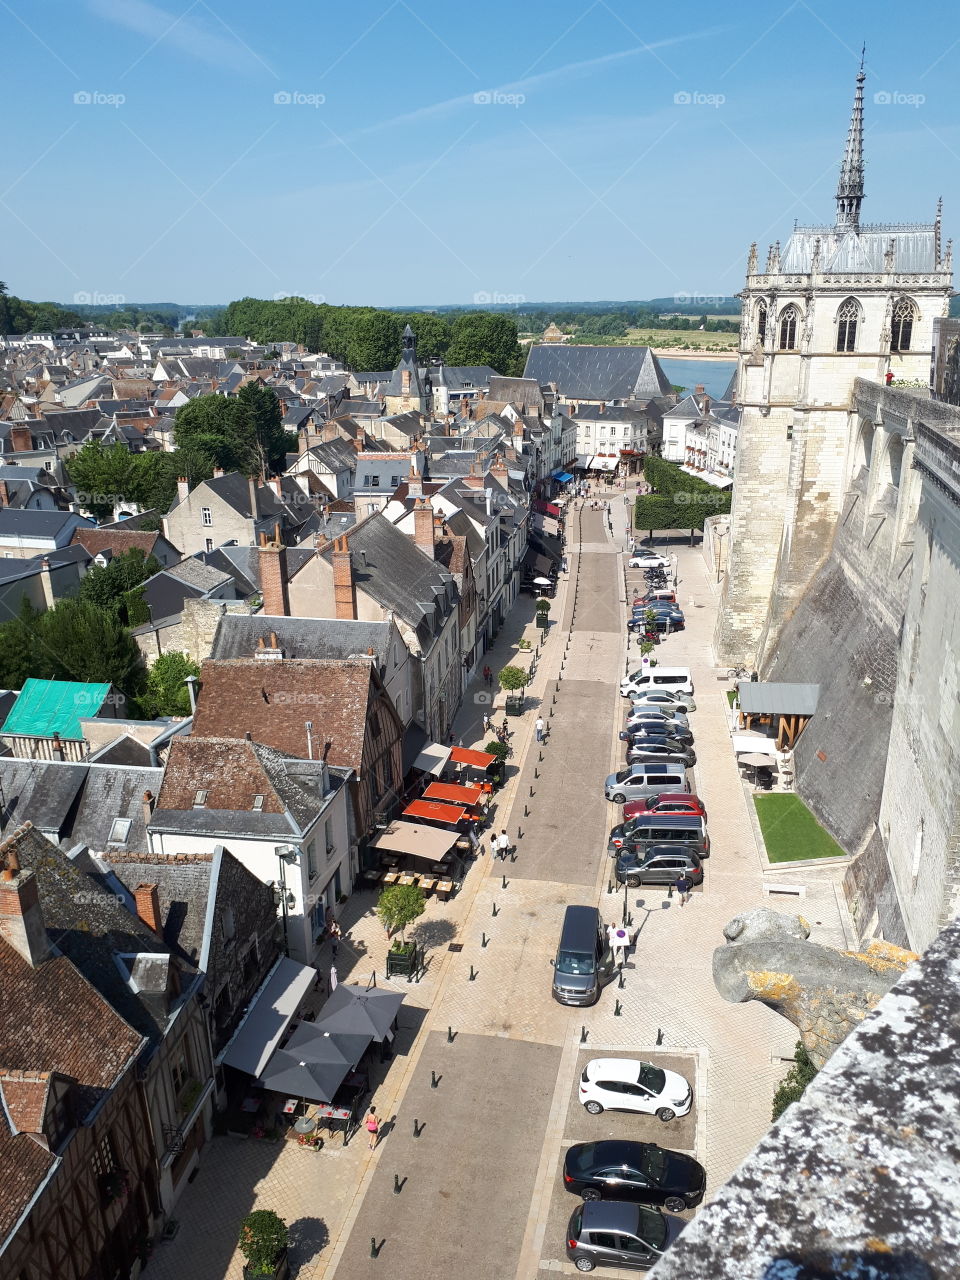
[529, 83]
[177, 30]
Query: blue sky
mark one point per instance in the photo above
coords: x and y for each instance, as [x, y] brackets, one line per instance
[395, 152]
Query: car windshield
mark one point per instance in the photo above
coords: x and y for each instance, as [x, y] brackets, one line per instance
[580, 962]
[651, 1078]
[582, 1158]
[653, 1163]
[652, 1227]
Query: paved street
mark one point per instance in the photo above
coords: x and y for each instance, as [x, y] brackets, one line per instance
[480, 1192]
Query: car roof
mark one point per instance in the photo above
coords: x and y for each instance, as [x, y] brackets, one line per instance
[627, 1069]
[668, 820]
[610, 1215]
[663, 850]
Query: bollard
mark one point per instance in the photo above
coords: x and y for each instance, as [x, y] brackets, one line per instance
[519, 833]
[659, 1035]
[418, 1128]
[375, 1248]
[503, 882]
[496, 910]
[451, 1035]
[434, 1080]
[397, 1184]
[473, 974]
[536, 772]
[483, 940]
[617, 1009]
[620, 982]
[551, 712]
[583, 1035]
[526, 812]
[531, 791]
[541, 757]
[554, 699]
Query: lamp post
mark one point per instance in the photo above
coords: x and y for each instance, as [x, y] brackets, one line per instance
[287, 855]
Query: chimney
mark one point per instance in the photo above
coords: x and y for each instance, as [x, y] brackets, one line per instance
[46, 583]
[358, 442]
[21, 440]
[252, 490]
[274, 579]
[21, 919]
[4, 494]
[405, 382]
[183, 488]
[217, 472]
[423, 526]
[277, 487]
[148, 803]
[415, 485]
[147, 898]
[344, 591]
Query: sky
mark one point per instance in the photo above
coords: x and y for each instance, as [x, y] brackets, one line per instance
[419, 152]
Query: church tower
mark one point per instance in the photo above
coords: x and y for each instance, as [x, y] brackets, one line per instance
[406, 389]
[836, 303]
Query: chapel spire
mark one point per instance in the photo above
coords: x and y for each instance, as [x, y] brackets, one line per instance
[850, 186]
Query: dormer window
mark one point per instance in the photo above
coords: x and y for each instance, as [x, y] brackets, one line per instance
[257, 803]
[200, 799]
[374, 482]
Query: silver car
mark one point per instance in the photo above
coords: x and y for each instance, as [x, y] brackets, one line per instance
[612, 1233]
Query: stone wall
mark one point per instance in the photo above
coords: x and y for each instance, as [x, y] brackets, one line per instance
[191, 633]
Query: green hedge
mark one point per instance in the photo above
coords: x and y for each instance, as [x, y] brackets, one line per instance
[681, 501]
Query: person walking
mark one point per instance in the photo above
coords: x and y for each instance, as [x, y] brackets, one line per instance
[684, 887]
[487, 722]
[540, 728]
[503, 845]
[372, 1124]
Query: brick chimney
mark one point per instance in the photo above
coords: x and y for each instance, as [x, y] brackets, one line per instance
[148, 803]
[21, 440]
[147, 898]
[183, 488]
[218, 472]
[4, 494]
[405, 382]
[344, 591]
[415, 485]
[423, 526]
[274, 578]
[21, 919]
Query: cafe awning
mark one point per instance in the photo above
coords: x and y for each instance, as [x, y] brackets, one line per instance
[267, 1018]
[479, 759]
[412, 838]
[763, 698]
[454, 793]
[432, 758]
[430, 811]
[562, 476]
[602, 463]
[547, 509]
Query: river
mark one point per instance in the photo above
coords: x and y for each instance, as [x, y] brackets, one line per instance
[714, 375]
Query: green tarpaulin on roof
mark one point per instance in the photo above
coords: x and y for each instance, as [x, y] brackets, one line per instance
[46, 707]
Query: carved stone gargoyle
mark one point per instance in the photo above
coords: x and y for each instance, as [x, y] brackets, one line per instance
[823, 992]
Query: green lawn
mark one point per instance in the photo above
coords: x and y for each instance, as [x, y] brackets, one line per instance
[791, 832]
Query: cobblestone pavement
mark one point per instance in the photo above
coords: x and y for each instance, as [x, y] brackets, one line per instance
[482, 1195]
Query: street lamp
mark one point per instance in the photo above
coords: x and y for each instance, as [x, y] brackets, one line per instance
[287, 856]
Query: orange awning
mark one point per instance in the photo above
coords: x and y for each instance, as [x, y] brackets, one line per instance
[434, 812]
[479, 759]
[454, 793]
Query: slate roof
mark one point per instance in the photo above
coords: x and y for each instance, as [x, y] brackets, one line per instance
[914, 249]
[330, 638]
[39, 524]
[78, 804]
[183, 888]
[266, 697]
[46, 707]
[384, 470]
[336, 455]
[521, 391]
[195, 573]
[465, 377]
[598, 373]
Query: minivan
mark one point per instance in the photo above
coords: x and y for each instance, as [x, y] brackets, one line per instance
[668, 828]
[585, 960]
[675, 678]
[642, 780]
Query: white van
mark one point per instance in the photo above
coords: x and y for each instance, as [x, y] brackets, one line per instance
[638, 781]
[677, 679]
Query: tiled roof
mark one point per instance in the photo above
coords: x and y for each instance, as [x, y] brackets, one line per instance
[273, 699]
[116, 540]
[25, 1096]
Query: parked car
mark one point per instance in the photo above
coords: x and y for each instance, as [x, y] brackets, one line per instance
[614, 1234]
[660, 697]
[665, 802]
[646, 779]
[669, 749]
[621, 1170]
[628, 1084]
[647, 728]
[648, 560]
[688, 829]
[676, 679]
[653, 711]
[665, 594]
[657, 864]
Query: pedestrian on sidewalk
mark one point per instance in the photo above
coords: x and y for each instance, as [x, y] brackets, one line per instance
[487, 722]
[503, 845]
[373, 1127]
[540, 728]
[684, 887]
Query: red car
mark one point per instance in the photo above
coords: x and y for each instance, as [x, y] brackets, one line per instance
[665, 802]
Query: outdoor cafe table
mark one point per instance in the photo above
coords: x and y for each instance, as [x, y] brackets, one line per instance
[406, 878]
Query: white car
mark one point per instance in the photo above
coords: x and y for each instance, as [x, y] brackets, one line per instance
[663, 698]
[627, 1084]
[649, 560]
[653, 711]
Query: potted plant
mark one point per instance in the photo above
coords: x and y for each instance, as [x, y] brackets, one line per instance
[495, 771]
[513, 679]
[398, 906]
[543, 613]
[524, 644]
[263, 1242]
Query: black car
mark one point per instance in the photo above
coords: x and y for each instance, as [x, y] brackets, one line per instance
[655, 728]
[641, 1171]
[657, 864]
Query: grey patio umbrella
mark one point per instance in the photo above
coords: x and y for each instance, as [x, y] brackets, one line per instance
[323, 1044]
[290, 1074]
[353, 1009]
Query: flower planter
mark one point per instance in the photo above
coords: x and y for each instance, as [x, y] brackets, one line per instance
[514, 704]
[281, 1270]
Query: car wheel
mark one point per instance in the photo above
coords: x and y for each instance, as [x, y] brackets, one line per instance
[673, 1204]
[619, 798]
[665, 1114]
[584, 1264]
[594, 1108]
[590, 1193]
[633, 882]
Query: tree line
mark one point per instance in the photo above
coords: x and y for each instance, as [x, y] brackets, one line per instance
[17, 315]
[368, 339]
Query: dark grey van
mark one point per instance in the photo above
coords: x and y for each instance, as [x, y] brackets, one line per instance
[585, 961]
[668, 828]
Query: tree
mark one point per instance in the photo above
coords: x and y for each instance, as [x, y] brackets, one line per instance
[84, 643]
[115, 587]
[103, 477]
[165, 692]
[791, 1087]
[220, 429]
[21, 655]
[263, 1238]
[262, 405]
[399, 905]
[512, 678]
[486, 337]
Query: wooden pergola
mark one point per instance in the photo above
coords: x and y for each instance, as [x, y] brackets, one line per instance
[787, 706]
